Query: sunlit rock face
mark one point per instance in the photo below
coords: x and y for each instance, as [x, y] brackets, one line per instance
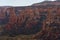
[21, 20]
[29, 19]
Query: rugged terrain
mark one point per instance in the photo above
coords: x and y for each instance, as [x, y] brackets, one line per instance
[41, 20]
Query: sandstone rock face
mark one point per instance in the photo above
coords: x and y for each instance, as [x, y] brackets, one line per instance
[30, 19]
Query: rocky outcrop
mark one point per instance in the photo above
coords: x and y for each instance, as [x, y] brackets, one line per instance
[30, 19]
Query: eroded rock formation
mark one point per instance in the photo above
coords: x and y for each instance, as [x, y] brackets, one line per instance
[40, 20]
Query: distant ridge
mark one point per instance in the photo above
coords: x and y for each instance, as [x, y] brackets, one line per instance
[47, 3]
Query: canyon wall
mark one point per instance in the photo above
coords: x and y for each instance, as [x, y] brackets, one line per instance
[29, 19]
